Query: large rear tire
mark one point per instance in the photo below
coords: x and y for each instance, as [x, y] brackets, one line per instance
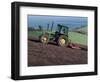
[44, 39]
[63, 40]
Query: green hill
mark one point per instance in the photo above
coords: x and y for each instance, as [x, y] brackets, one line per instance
[78, 38]
[82, 30]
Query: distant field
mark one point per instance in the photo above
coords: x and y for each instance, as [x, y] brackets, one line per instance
[34, 33]
[82, 30]
[75, 37]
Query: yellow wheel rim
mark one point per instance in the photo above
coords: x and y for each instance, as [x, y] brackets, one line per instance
[44, 39]
[62, 41]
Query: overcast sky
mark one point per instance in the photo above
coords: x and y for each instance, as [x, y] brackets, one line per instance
[70, 21]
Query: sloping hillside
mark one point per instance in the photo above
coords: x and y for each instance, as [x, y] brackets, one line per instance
[78, 38]
[82, 30]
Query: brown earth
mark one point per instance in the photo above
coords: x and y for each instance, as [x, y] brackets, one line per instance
[51, 54]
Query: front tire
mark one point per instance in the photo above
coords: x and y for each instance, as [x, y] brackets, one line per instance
[44, 39]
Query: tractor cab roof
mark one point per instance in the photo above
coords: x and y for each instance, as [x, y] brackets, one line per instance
[59, 25]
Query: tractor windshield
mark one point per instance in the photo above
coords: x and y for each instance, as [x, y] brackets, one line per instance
[62, 29]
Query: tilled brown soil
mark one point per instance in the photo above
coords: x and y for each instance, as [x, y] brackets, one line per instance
[51, 54]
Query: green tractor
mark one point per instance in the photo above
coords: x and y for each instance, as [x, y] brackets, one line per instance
[60, 36]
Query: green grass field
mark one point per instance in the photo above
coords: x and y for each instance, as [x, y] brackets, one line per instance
[34, 33]
[75, 37]
[78, 38]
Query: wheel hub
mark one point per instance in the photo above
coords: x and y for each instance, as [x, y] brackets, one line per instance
[44, 39]
[62, 41]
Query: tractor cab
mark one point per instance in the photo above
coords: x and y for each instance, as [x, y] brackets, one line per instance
[62, 30]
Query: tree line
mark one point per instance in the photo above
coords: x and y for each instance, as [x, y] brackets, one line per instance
[40, 28]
